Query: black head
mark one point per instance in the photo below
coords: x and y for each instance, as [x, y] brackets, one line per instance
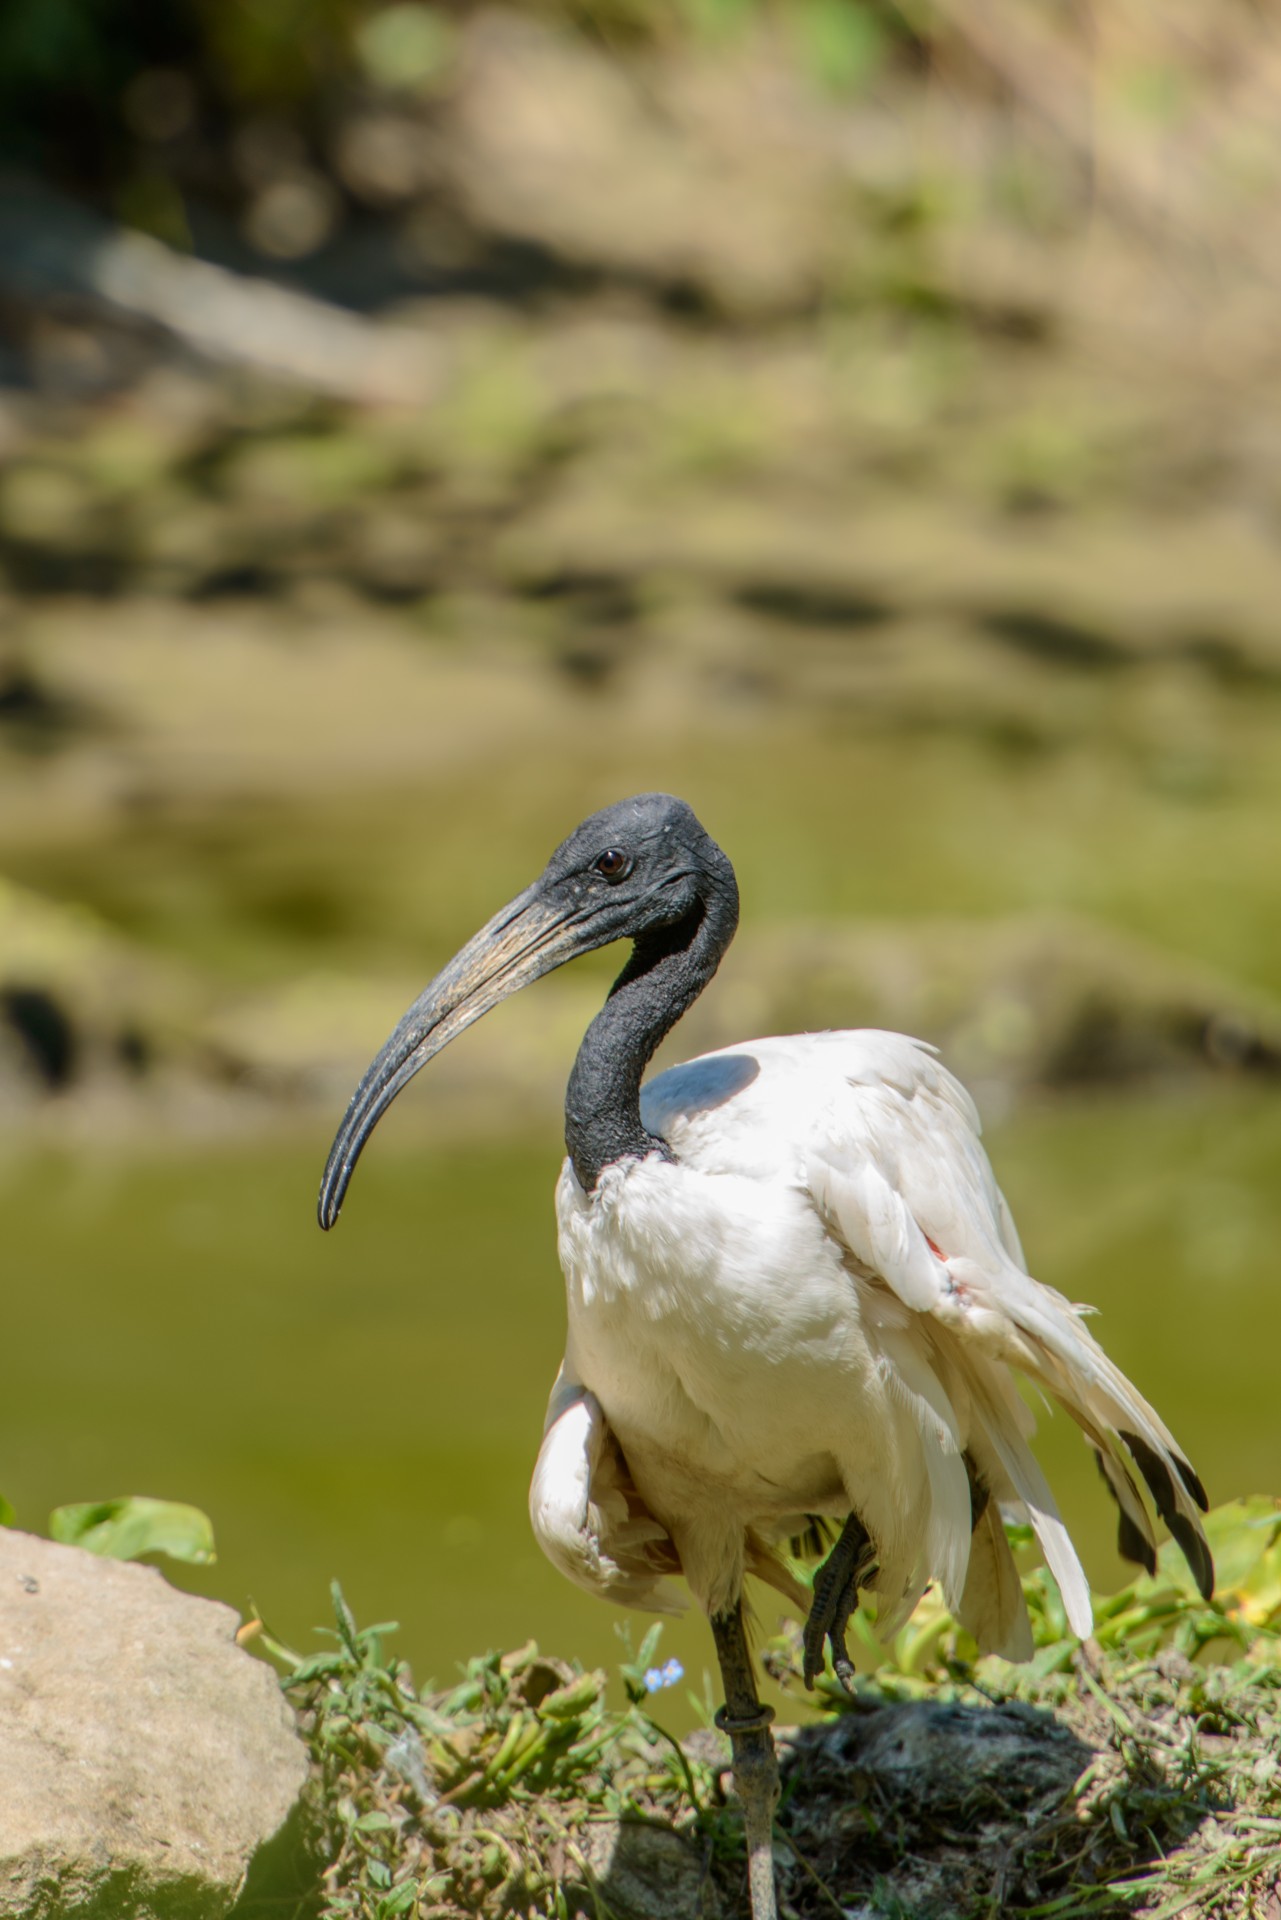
[643, 869]
[637, 868]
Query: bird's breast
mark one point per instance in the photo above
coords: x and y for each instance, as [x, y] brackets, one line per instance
[710, 1315]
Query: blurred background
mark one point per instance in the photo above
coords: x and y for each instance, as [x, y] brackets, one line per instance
[422, 424]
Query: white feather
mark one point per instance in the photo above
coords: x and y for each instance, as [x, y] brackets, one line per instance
[814, 1307]
[580, 1514]
[992, 1606]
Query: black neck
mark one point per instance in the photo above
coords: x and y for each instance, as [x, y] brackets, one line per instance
[665, 975]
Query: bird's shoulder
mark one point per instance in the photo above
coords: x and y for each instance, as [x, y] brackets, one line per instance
[858, 1119]
[794, 1089]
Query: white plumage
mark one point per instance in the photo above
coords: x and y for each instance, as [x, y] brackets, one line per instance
[794, 1290]
[817, 1307]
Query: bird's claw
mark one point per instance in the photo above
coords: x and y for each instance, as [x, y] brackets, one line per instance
[849, 1566]
[826, 1627]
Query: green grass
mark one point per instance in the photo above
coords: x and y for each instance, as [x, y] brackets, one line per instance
[480, 1799]
[475, 1799]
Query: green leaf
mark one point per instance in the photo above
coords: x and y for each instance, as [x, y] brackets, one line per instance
[649, 1646]
[346, 1620]
[6, 1512]
[399, 1900]
[125, 1529]
[1240, 1535]
[315, 1666]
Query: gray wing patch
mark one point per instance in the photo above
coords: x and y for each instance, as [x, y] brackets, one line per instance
[695, 1087]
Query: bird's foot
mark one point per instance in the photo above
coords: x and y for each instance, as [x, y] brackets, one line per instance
[849, 1565]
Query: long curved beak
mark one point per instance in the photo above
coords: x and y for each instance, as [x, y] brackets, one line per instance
[530, 937]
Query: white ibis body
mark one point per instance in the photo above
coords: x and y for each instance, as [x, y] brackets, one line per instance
[794, 1289]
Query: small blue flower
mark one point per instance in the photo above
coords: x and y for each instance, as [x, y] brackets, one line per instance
[656, 1678]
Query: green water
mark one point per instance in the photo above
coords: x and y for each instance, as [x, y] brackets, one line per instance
[368, 1405]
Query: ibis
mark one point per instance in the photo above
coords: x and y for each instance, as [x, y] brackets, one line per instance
[795, 1294]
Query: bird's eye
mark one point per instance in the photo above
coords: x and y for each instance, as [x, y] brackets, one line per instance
[613, 863]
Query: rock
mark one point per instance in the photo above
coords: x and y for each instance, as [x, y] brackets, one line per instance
[914, 1807]
[921, 1807]
[645, 1873]
[938, 1761]
[145, 1756]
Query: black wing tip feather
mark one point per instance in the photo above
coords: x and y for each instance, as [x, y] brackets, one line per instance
[1161, 1487]
[1131, 1542]
[1133, 1545]
[1196, 1553]
[1192, 1481]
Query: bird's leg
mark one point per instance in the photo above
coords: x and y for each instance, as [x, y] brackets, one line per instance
[849, 1565]
[747, 1723]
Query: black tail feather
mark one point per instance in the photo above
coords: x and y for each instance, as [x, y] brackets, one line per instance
[1131, 1543]
[817, 1537]
[1192, 1481]
[980, 1492]
[1161, 1487]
